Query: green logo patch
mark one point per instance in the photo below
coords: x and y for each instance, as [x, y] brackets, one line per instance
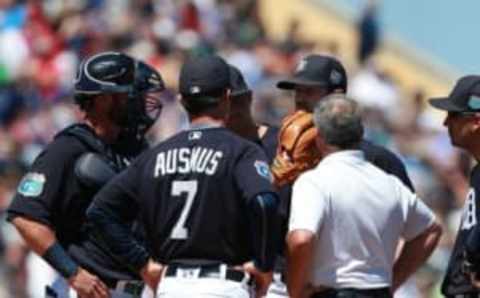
[31, 185]
[474, 103]
[263, 169]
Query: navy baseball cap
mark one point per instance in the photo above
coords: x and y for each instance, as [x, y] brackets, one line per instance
[237, 82]
[317, 71]
[204, 75]
[465, 96]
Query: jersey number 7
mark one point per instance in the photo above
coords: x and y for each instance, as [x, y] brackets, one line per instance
[189, 187]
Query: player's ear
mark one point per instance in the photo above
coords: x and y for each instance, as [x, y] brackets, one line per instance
[226, 98]
[476, 121]
[227, 94]
[473, 125]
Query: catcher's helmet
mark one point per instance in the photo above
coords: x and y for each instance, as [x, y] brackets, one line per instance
[104, 73]
[113, 73]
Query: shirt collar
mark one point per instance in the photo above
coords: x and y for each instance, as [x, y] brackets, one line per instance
[344, 155]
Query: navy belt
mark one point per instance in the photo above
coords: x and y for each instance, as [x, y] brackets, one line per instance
[132, 287]
[353, 293]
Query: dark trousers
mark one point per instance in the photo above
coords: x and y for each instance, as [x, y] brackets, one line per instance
[353, 293]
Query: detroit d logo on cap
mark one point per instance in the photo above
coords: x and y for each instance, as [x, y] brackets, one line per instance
[301, 65]
[335, 77]
[194, 90]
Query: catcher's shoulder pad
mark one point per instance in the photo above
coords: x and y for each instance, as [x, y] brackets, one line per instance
[85, 135]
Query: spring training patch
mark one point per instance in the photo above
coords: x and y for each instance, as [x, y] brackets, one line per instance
[263, 169]
[32, 185]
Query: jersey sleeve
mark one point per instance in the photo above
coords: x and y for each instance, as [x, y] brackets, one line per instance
[397, 168]
[120, 194]
[112, 212]
[41, 188]
[418, 216]
[308, 206]
[387, 161]
[252, 172]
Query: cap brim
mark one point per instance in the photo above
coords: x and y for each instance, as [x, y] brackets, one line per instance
[291, 83]
[236, 93]
[445, 103]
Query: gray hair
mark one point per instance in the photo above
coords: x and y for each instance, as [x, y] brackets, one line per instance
[338, 121]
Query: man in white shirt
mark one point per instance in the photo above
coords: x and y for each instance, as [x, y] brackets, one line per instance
[347, 217]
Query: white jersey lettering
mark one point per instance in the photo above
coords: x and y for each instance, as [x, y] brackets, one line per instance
[469, 216]
[187, 160]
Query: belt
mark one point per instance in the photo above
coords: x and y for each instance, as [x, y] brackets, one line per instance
[470, 295]
[207, 271]
[279, 277]
[349, 292]
[132, 287]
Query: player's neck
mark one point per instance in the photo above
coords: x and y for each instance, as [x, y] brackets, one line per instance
[330, 149]
[245, 128]
[206, 120]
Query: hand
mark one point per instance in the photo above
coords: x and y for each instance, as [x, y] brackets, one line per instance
[474, 280]
[88, 285]
[262, 279]
[151, 274]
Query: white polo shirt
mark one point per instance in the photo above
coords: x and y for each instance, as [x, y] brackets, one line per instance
[358, 213]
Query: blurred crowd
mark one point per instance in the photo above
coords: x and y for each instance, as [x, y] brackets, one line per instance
[42, 42]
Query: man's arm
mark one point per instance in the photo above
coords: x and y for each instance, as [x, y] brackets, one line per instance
[300, 245]
[307, 213]
[253, 178]
[114, 231]
[414, 253]
[42, 240]
[264, 225]
[471, 263]
[263, 219]
[112, 212]
[39, 237]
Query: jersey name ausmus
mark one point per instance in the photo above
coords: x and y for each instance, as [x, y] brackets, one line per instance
[187, 160]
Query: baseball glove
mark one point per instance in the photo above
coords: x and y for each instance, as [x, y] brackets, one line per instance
[296, 151]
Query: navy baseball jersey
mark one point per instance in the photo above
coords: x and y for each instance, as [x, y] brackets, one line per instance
[191, 192]
[386, 161]
[51, 193]
[269, 142]
[456, 281]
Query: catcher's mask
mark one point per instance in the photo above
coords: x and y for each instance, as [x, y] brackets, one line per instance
[144, 102]
[114, 73]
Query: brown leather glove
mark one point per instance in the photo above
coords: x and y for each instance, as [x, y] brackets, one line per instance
[296, 151]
